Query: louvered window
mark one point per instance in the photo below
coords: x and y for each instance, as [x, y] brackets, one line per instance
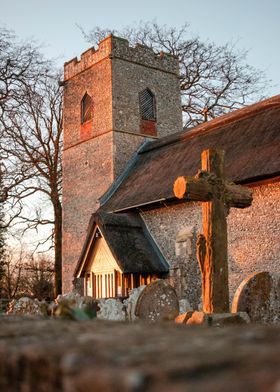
[86, 108]
[147, 105]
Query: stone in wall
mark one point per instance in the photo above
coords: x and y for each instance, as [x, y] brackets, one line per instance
[183, 244]
[28, 307]
[74, 306]
[111, 309]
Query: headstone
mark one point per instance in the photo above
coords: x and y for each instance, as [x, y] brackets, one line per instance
[131, 301]
[157, 302]
[259, 296]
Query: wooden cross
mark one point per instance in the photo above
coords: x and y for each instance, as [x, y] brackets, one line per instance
[209, 186]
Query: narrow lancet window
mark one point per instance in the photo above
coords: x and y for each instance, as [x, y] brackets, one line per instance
[86, 108]
[147, 105]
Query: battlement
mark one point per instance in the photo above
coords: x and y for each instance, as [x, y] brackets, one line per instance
[115, 47]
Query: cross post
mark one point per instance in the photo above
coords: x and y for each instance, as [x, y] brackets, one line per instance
[218, 196]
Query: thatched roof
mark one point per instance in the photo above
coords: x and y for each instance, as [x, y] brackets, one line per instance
[129, 241]
[249, 136]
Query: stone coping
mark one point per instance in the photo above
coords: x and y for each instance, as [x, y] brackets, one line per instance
[57, 355]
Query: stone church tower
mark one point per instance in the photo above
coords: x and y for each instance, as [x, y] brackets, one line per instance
[114, 98]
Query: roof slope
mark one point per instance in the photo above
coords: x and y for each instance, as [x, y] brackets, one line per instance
[129, 241]
[249, 136]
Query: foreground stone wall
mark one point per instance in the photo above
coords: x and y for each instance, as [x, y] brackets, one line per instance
[253, 235]
[76, 307]
[64, 356]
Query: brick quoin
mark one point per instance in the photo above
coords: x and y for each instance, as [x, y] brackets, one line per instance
[149, 127]
[86, 130]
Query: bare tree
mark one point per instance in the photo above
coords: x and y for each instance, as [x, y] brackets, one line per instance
[214, 79]
[12, 281]
[31, 139]
[39, 278]
[31, 144]
[21, 64]
[27, 275]
[2, 232]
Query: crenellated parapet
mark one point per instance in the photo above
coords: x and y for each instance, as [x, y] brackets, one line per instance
[88, 58]
[115, 47]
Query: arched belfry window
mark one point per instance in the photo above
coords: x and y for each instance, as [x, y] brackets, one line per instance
[147, 105]
[86, 108]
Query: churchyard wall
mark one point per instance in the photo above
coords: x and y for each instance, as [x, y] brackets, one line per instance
[253, 240]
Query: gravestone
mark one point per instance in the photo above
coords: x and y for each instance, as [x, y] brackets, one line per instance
[259, 296]
[131, 301]
[157, 302]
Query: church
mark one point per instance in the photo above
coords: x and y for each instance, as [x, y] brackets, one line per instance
[124, 146]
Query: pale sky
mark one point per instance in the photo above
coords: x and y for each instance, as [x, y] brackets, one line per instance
[254, 24]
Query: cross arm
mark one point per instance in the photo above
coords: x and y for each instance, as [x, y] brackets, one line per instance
[192, 188]
[203, 188]
[237, 195]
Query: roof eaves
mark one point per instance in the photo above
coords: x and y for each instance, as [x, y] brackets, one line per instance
[209, 126]
[86, 248]
[138, 205]
[258, 179]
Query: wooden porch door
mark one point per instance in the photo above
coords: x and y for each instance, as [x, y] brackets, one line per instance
[104, 285]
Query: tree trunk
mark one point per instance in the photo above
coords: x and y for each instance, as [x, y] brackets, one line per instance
[57, 247]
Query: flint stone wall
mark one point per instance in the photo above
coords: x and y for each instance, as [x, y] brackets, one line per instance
[253, 240]
[28, 306]
[129, 79]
